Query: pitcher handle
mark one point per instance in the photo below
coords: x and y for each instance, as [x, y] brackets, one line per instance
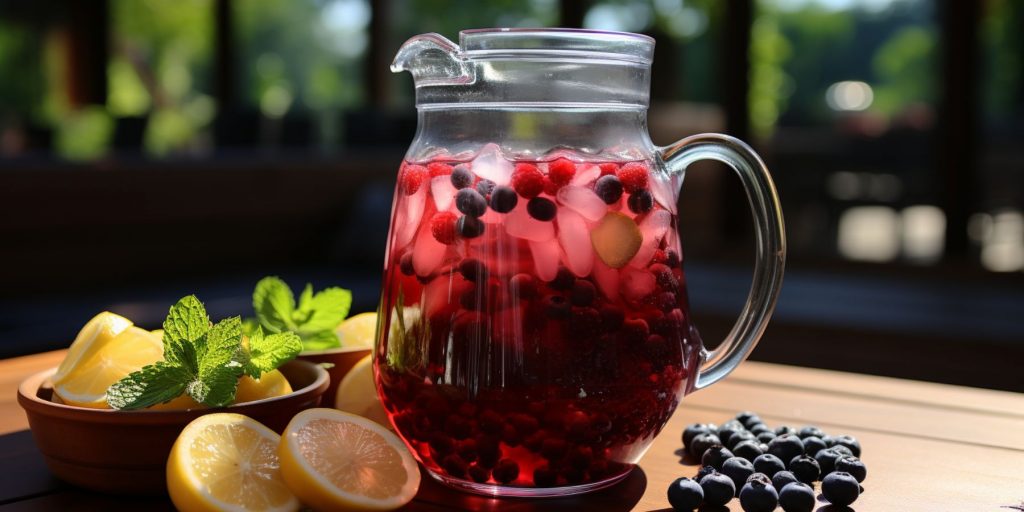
[770, 235]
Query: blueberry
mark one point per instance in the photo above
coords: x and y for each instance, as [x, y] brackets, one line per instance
[703, 472]
[739, 437]
[784, 429]
[469, 227]
[782, 478]
[827, 460]
[840, 488]
[853, 466]
[744, 417]
[541, 208]
[583, 293]
[405, 264]
[473, 270]
[738, 470]
[810, 431]
[805, 468]
[786, 447]
[685, 494]
[850, 442]
[470, 202]
[701, 443]
[692, 431]
[797, 497]
[641, 202]
[608, 188]
[766, 437]
[715, 456]
[719, 489]
[523, 286]
[758, 495]
[842, 450]
[556, 307]
[485, 187]
[672, 258]
[769, 464]
[564, 280]
[812, 445]
[760, 428]
[759, 477]
[749, 450]
[726, 431]
[461, 177]
[503, 199]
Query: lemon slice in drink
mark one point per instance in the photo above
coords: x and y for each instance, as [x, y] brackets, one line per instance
[96, 333]
[85, 385]
[357, 393]
[226, 461]
[335, 460]
[358, 331]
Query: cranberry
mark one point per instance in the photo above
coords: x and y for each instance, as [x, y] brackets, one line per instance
[467, 449]
[506, 471]
[454, 465]
[556, 307]
[611, 318]
[473, 269]
[457, 427]
[441, 443]
[564, 280]
[553, 448]
[523, 286]
[479, 474]
[583, 293]
[544, 476]
[490, 422]
[524, 423]
[580, 457]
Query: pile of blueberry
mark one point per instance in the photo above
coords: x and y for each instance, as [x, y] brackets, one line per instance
[767, 468]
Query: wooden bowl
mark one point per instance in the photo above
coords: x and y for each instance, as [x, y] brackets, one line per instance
[125, 452]
[343, 360]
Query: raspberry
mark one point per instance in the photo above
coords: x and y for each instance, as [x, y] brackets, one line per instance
[439, 169]
[442, 226]
[659, 256]
[633, 177]
[527, 180]
[561, 171]
[550, 187]
[608, 168]
[412, 178]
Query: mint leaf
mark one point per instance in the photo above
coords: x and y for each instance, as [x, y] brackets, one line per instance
[268, 353]
[182, 354]
[217, 386]
[153, 384]
[322, 340]
[305, 309]
[187, 321]
[327, 309]
[223, 342]
[274, 304]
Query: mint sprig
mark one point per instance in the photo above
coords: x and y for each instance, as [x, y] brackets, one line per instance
[314, 318]
[203, 360]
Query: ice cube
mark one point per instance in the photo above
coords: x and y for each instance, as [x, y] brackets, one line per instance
[607, 279]
[575, 239]
[653, 228]
[443, 191]
[586, 176]
[428, 253]
[520, 224]
[410, 211]
[662, 188]
[490, 164]
[545, 258]
[636, 284]
[584, 201]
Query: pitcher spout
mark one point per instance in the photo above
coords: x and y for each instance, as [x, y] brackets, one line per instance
[433, 60]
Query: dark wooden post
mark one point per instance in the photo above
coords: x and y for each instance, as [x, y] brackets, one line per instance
[571, 13]
[225, 56]
[734, 76]
[87, 51]
[379, 53]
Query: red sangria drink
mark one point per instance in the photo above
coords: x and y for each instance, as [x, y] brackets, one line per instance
[535, 329]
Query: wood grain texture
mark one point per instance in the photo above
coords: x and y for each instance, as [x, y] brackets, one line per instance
[928, 447]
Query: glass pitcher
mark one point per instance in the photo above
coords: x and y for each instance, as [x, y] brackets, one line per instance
[534, 332]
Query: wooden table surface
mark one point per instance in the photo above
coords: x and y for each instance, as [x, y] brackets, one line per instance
[928, 447]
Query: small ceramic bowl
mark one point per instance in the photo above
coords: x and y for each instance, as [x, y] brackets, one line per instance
[343, 360]
[125, 452]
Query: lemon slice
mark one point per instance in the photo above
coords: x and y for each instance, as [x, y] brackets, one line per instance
[357, 393]
[269, 385]
[359, 331]
[96, 333]
[335, 460]
[85, 385]
[616, 239]
[226, 461]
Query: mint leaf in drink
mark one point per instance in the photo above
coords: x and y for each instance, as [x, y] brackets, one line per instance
[274, 305]
[267, 353]
[153, 384]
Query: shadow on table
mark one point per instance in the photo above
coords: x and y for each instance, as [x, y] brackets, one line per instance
[619, 497]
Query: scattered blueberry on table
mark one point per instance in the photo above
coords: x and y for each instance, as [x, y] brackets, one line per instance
[768, 467]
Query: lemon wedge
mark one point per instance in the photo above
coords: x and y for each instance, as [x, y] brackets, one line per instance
[359, 331]
[95, 334]
[226, 461]
[357, 393]
[269, 385]
[335, 460]
[86, 383]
